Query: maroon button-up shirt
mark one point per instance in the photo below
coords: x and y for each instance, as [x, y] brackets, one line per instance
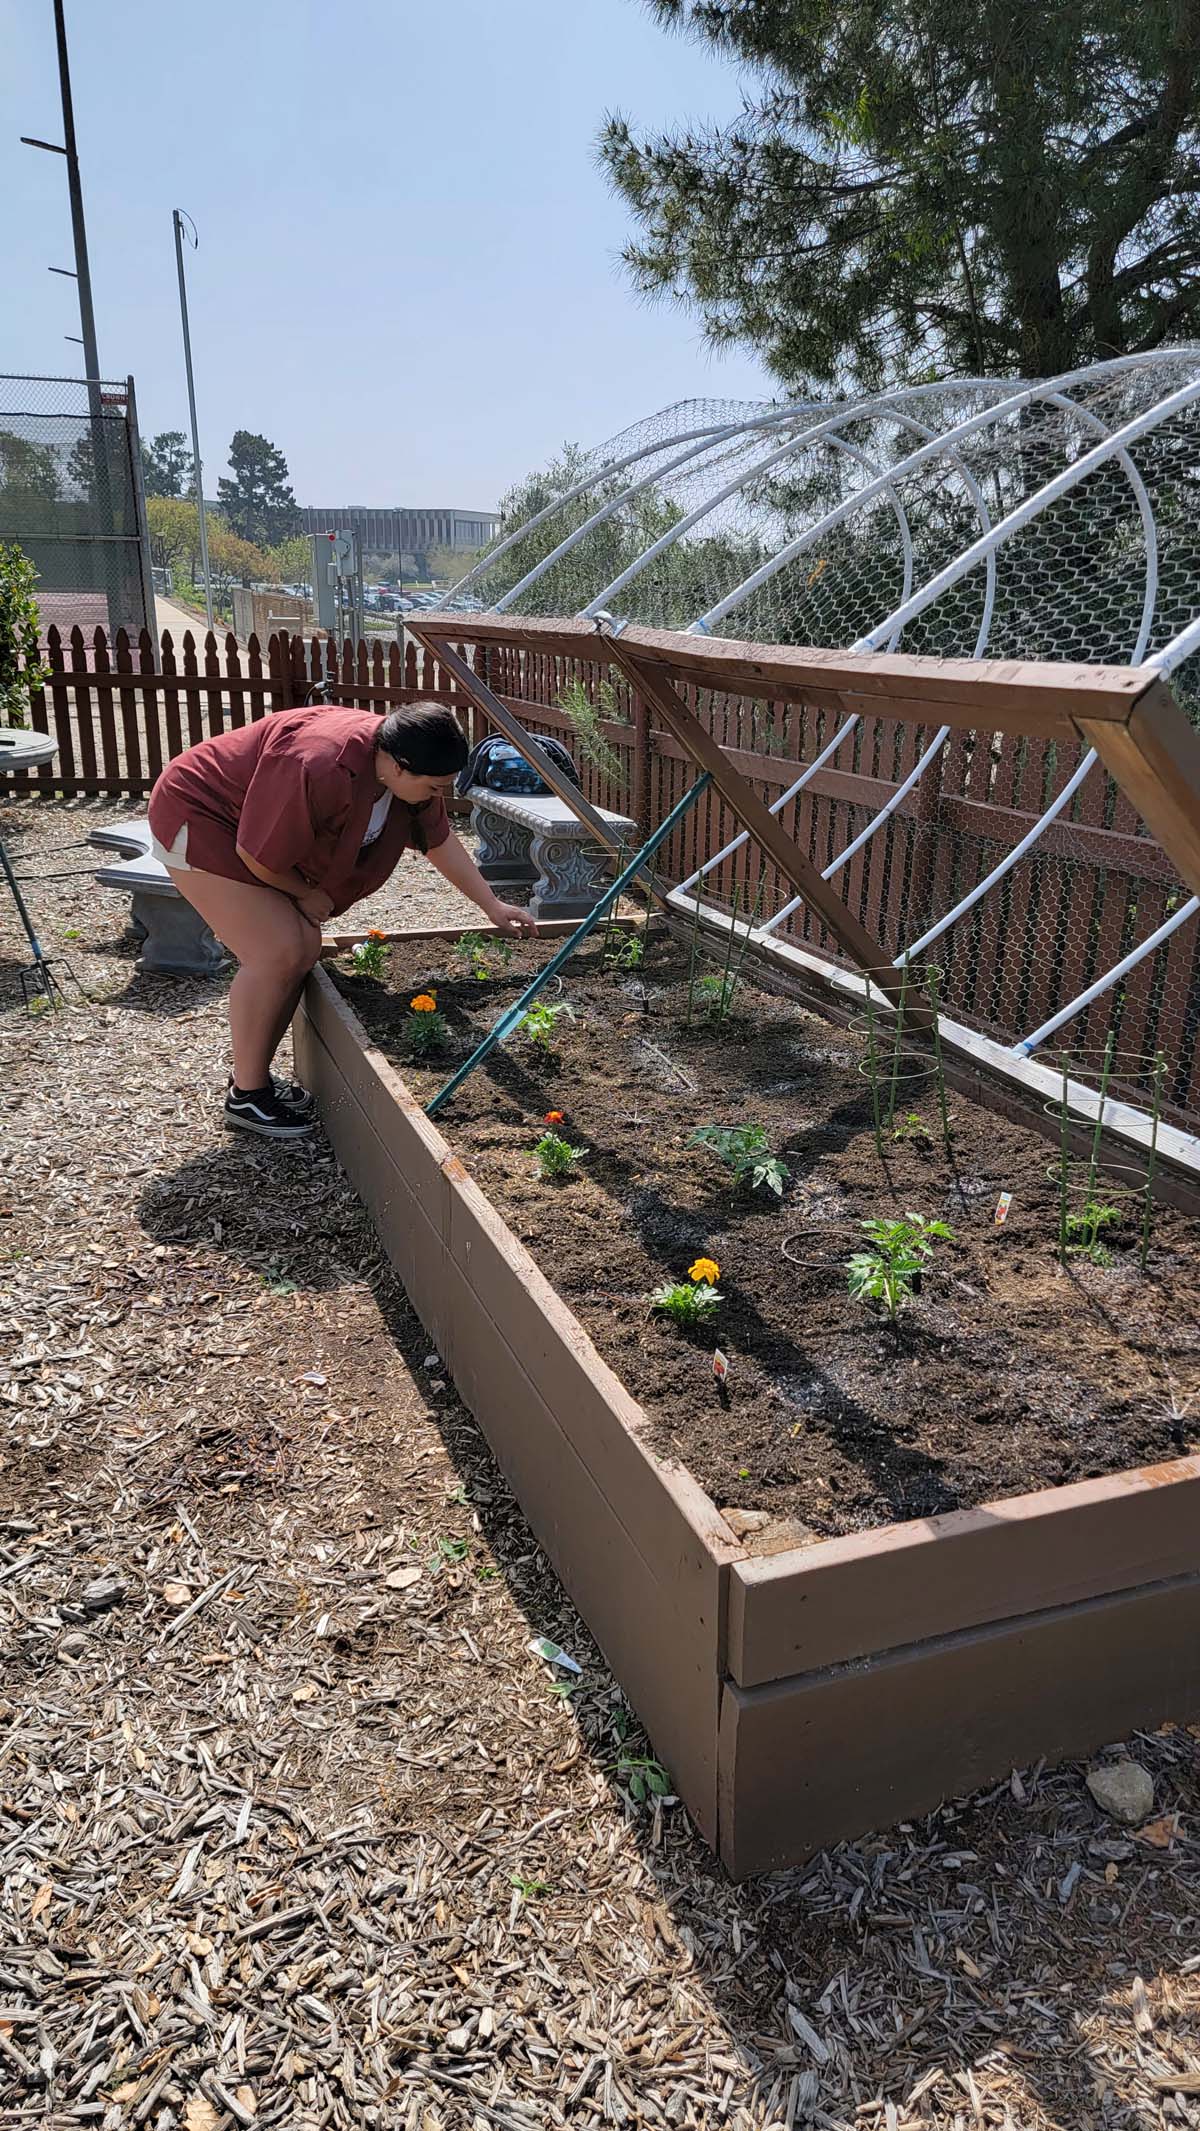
[295, 790]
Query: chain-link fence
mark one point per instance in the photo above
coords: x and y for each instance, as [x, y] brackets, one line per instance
[71, 497]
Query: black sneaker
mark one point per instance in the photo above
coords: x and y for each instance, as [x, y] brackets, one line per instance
[260, 1110]
[290, 1093]
[293, 1096]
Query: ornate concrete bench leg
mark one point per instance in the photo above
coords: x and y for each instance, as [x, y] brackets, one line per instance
[571, 878]
[175, 937]
[504, 856]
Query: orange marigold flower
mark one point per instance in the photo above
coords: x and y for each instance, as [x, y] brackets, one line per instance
[704, 1269]
[554, 1117]
[424, 1003]
[375, 934]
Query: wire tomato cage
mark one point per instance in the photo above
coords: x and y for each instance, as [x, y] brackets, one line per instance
[1099, 1197]
[900, 1071]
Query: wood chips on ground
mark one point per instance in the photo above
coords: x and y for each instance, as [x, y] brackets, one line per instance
[294, 1829]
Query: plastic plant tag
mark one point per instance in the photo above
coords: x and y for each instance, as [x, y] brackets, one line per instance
[553, 1654]
[720, 1365]
[1002, 1205]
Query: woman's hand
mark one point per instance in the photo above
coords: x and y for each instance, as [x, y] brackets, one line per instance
[315, 905]
[510, 918]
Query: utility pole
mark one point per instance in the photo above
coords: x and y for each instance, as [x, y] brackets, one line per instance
[87, 316]
[178, 219]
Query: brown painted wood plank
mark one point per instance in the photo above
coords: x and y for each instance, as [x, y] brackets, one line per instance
[619, 1533]
[412, 935]
[60, 704]
[84, 717]
[1156, 760]
[1017, 695]
[844, 1598]
[838, 1754]
[129, 709]
[176, 744]
[193, 694]
[1137, 855]
[823, 898]
[150, 712]
[104, 701]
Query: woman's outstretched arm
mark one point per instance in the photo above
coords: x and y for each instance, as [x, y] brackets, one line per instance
[455, 864]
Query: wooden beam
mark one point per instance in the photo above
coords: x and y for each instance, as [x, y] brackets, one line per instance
[486, 700]
[1155, 759]
[1035, 696]
[652, 681]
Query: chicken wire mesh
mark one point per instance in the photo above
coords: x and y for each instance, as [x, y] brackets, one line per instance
[70, 497]
[1054, 520]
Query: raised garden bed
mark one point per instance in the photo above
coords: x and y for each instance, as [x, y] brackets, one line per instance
[810, 1659]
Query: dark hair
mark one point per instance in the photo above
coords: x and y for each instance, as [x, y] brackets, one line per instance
[425, 738]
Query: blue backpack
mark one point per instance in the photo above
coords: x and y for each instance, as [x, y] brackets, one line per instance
[500, 767]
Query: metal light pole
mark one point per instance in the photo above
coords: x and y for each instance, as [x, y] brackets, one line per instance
[178, 219]
[87, 316]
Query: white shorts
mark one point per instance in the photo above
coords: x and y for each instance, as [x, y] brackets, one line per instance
[176, 859]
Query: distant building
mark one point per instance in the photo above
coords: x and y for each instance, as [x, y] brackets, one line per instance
[399, 531]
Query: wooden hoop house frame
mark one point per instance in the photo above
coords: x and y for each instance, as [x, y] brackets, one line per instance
[1128, 715]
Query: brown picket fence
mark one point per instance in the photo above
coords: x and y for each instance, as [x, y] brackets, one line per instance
[1094, 886]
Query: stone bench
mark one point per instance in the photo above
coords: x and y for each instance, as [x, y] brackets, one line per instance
[539, 842]
[131, 838]
[174, 936]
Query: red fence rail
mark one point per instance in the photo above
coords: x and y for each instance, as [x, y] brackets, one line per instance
[1096, 884]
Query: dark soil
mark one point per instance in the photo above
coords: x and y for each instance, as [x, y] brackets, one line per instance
[1008, 1373]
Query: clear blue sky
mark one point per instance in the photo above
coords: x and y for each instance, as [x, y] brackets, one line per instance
[408, 274]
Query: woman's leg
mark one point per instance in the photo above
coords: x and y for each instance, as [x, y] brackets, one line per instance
[275, 949]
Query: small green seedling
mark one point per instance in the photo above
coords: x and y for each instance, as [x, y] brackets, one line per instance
[686, 1302]
[1085, 1228]
[370, 956]
[715, 996]
[626, 951]
[746, 1152]
[450, 1550]
[275, 1280]
[556, 1157]
[472, 949]
[910, 1126]
[643, 1777]
[897, 1251]
[541, 1022]
[529, 1889]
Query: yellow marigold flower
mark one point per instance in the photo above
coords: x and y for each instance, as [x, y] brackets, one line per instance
[424, 1003]
[704, 1269]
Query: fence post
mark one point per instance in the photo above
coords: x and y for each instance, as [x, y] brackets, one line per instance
[928, 823]
[639, 791]
[279, 666]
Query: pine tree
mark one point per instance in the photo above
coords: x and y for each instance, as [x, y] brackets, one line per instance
[258, 502]
[928, 186]
[167, 465]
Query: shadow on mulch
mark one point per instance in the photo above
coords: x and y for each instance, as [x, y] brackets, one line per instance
[887, 1914]
[157, 992]
[281, 1211]
[864, 1941]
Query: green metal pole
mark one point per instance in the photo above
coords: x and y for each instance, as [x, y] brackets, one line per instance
[515, 1014]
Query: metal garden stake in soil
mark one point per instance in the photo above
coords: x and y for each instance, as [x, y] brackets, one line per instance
[515, 1014]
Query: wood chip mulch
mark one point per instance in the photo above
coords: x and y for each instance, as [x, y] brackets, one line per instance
[294, 1829]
